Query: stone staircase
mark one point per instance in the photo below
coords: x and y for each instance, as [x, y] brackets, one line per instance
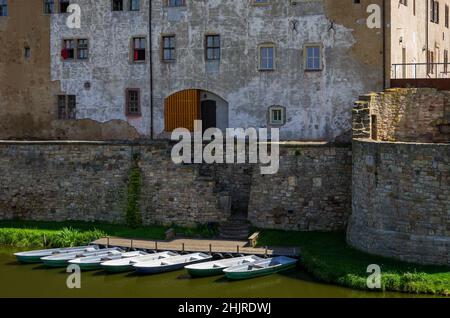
[236, 228]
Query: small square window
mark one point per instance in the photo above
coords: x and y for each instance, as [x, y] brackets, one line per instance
[135, 5]
[63, 5]
[117, 5]
[276, 115]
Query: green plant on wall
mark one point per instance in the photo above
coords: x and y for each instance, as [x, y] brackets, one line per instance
[133, 211]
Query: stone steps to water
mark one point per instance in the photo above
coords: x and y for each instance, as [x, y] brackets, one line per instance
[237, 227]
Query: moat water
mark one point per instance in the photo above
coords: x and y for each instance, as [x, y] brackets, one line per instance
[34, 280]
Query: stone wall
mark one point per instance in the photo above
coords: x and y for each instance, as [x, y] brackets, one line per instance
[59, 181]
[403, 114]
[401, 200]
[311, 191]
[88, 181]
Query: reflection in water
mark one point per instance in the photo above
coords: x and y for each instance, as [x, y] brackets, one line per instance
[35, 280]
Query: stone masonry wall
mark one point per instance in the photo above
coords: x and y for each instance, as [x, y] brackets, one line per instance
[403, 114]
[87, 181]
[311, 191]
[401, 200]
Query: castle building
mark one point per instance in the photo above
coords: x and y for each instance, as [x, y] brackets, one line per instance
[140, 68]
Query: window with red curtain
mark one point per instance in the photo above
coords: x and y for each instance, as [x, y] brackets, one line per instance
[139, 49]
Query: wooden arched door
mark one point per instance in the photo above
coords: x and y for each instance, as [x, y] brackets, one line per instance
[182, 109]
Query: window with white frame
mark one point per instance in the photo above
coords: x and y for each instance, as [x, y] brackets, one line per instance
[313, 57]
[267, 57]
[277, 115]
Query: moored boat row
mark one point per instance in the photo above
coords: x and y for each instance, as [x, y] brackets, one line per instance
[197, 264]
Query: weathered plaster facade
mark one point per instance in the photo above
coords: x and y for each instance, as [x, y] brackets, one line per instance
[318, 104]
[109, 68]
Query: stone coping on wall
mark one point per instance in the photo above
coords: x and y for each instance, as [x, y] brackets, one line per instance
[287, 144]
[367, 140]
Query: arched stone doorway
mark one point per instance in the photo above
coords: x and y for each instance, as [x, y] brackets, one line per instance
[181, 109]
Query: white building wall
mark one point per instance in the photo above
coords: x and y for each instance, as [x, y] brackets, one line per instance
[109, 68]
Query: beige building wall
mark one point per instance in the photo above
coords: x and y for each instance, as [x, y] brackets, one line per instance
[414, 36]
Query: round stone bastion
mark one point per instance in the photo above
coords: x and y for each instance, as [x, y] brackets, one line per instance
[401, 200]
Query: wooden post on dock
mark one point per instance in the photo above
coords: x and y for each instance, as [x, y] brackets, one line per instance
[210, 249]
[265, 252]
[237, 249]
[107, 241]
[156, 246]
[131, 244]
[182, 248]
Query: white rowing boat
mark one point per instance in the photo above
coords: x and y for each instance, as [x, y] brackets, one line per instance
[36, 255]
[94, 262]
[170, 264]
[217, 267]
[126, 264]
[63, 259]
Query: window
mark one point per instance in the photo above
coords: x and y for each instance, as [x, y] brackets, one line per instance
[3, 8]
[26, 53]
[135, 5]
[133, 102]
[277, 115]
[49, 6]
[82, 49]
[213, 47]
[139, 49]
[175, 3]
[430, 62]
[68, 51]
[75, 49]
[313, 58]
[446, 16]
[445, 61]
[267, 57]
[168, 53]
[63, 5]
[261, 2]
[434, 11]
[117, 5]
[67, 107]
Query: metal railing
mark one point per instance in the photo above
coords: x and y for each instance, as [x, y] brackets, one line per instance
[420, 70]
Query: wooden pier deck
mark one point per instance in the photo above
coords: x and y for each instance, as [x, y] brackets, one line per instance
[212, 246]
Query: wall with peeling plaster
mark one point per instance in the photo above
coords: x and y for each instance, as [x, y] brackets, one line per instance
[109, 68]
[318, 104]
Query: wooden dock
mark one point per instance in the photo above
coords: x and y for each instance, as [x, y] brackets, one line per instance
[212, 246]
